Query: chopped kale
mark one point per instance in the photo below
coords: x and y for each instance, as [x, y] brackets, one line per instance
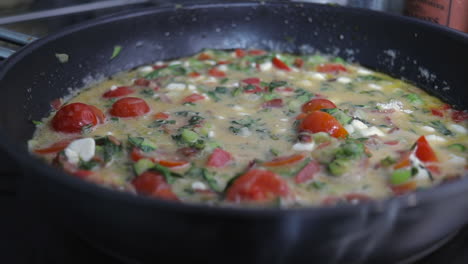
[441, 128]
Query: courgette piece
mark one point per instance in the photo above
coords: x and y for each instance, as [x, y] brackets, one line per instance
[142, 165]
[457, 147]
[400, 176]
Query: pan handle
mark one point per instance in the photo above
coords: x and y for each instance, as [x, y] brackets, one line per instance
[13, 37]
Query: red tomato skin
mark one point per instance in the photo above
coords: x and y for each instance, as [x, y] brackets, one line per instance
[153, 184]
[257, 185]
[424, 152]
[317, 104]
[118, 92]
[55, 147]
[274, 103]
[285, 160]
[280, 64]
[161, 115]
[459, 116]
[129, 107]
[437, 112]
[73, 117]
[256, 52]
[219, 158]
[298, 62]
[101, 117]
[308, 172]
[194, 74]
[193, 98]
[319, 121]
[216, 73]
[331, 68]
[240, 53]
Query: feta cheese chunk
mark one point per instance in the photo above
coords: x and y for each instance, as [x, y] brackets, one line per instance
[343, 80]
[458, 129]
[393, 104]
[318, 76]
[435, 139]
[199, 186]
[363, 71]
[456, 160]
[266, 66]
[375, 86]
[371, 131]
[80, 149]
[176, 86]
[303, 146]
[428, 129]
[358, 124]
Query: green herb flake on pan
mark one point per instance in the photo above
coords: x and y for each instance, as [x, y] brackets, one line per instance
[116, 51]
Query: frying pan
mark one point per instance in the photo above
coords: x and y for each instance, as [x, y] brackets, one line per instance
[142, 230]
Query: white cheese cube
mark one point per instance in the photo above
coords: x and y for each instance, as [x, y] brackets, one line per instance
[428, 129]
[375, 86]
[266, 66]
[458, 129]
[199, 186]
[303, 146]
[343, 80]
[80, 149]
[176, 86]
[318, 76]
[435, 139]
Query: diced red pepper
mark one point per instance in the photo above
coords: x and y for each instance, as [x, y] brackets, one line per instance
[282, 161]
[437, 112]
[392, 142]
[256, 89]
[161, 115]
[256, 52]
[194, 74]
[219, 158]
[216, 73]
[82, 174]
[280, 64]
[424, 151]
[204, 56]
[274, 103]
[331, 68]
[153, 184]
[308, 172]
[173, 163]
[193, 98]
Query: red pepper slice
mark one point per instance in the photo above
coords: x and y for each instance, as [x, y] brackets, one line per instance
[193, 98]
[216, 73]
[282, 161]
[331, 68]
[280, 64]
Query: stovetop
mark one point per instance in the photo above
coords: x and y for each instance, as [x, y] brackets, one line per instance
[32, 241]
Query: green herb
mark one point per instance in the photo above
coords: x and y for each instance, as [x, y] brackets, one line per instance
[169, 176]
[161, 122]
[249, 87]
[87, 129]
[195, 120]
[211, 181]
[116, 51]
[341, 116]
[387, 162]
[457, 147]
[189, 104]
[224, 80]
[189, 136]
[303, 95]
[109, 147]
[142, 143]
[369, 78]
[37, 123]
[236, 92]
[318, 185]
[221, 90]
[176, 70]
[414, 98]
[275, 152]
[114, 119]
[441, 128]
[142, 165]
[344, 156]
[275, 84]
[147, 92]
[213, 96]
[88, 165]
[62, 57]
[186, 113]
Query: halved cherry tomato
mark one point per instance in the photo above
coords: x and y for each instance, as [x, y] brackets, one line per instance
[253, 81]
[194, 74]
[216, 73]
[193, 98]
[301, 116]
[73, 117]
[459, 116]
[256, 52]
[404, 188]
[281, 161]
[161, 115]
[204, 56]
[141, 82]
[118, 92]
[317, 104]
[219, 158]
[298, 62]
[129, 107]
[424, 151]
[55, 147]
[153, 184]
[319, 121]
[257, 185]
[280, 64]
[240, 53]
[331, 68]
[256, 89]
[273, 103]
[101, 117]
[137, 155]
[308, 172]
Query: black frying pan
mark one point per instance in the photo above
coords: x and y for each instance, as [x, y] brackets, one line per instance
[142, 230]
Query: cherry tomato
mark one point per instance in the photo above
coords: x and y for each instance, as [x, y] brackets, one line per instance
[194, 74]
[99, 114]
[219, 158]
[73, 117]
[437, 112]
[280, 64]
[240, 53]
[216, 73]
[318, 121]
[129, 107]
[274, 103]
[193, 98]
[424, 151]
[256, 89]
[55, 147]
[141, 82]
[257, 185]
[153, 184]
[308, 172]
[331, 68]
[317, 104]
[281, 161]
[118, 92]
